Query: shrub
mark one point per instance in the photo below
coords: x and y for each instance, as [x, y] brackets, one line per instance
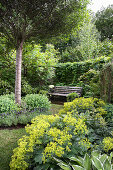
[72, 96]
[77, 129]
[43, 92]
[37, 101]
[109, 116]
[7, 104]
[10, 96]
[12, 114]
[48, 136]
[5, 87]
[27, 88]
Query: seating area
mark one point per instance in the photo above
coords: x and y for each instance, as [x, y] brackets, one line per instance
[65, 90]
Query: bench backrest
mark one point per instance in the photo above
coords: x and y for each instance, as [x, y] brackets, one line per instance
[67, 89]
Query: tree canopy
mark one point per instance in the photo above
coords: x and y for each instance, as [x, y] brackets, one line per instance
[104, 22]
[22, 20]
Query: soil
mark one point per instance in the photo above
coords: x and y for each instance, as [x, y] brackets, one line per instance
[13, 127]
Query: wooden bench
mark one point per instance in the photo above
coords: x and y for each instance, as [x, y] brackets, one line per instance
[65, 90]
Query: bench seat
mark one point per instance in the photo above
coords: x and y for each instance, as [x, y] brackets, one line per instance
[65, 90]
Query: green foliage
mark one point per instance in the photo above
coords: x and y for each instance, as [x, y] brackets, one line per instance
[96, 118]
[88, 40]
[95, 161]
[104, 22]
[43, 92]
[90, 83]
[7, 104]
[105, 48]
[31, 106]
[27, 88]
[38, 65]
[72, 96]
[5, 87]
[79, 128]
[36, 101]
[109, 116]
[69, 73]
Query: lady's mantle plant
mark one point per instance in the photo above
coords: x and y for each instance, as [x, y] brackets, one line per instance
[48, 136]
[74, 131]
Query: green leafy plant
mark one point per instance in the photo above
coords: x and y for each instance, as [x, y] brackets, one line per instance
[96, 161]
[78, 129]
[7, 104]
[43, 92]
[5, 87]
[37, 101]
[72, 96]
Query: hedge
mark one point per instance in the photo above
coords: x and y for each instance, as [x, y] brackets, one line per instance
[68, 73]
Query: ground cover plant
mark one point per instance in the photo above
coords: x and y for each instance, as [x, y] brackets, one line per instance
[79, 128]
[32, 105]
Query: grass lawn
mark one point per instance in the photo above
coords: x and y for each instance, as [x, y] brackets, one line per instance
[8, 141]
[9, 138]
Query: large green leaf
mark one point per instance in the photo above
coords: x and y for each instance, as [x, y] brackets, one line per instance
[97, 163]
[103, 157]
[95, 153]
[79, 161]
[64, 166]
[107, 165]
[87, 162]
[77, 167]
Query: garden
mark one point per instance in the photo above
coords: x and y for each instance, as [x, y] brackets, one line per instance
[48, 44]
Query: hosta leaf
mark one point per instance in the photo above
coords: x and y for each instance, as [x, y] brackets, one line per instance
[111, 155]
[103, 158]
[77, 167]
[87, 162]
[97, 163]
[79, 161]
[60, 162]
[95, 153]
[107, 165]
[65, 167]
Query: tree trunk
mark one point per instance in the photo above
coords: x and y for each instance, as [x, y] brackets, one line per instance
[18, 73]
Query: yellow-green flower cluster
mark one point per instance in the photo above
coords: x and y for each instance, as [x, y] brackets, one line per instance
[18, 161]
[80, 105]
[108, 143]
[51, 149]
[85, 143]
[48, 125]
[80, 127]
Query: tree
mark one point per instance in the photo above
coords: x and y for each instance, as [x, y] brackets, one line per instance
[104, 22]
[88, 40]
[23, 20]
